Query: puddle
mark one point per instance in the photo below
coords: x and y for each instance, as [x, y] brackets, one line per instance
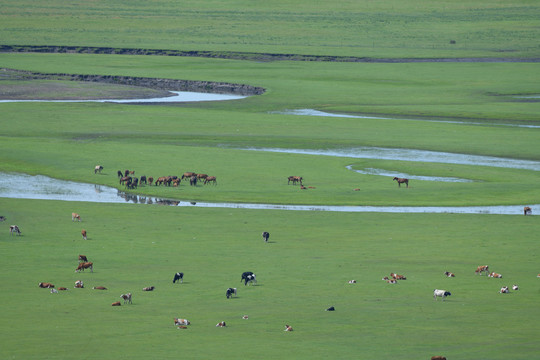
[181, 96]
[312, 112]
[372, 171]
[22, 186]
[413, 155]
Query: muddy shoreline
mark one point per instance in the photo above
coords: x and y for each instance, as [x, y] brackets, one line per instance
[151, 83]
[236, 55]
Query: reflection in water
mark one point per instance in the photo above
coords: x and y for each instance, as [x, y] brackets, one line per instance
[22, 186]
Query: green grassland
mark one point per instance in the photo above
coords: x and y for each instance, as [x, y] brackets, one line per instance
[304, 269]
[391, 28]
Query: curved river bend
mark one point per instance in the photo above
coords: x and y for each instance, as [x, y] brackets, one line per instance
[22, 186]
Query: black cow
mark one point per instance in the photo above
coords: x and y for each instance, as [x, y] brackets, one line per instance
[178, 276]
[265, 235]
[143, 180]
[230, 292]
[245, 275]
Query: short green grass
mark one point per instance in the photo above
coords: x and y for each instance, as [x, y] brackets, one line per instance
[304, 269]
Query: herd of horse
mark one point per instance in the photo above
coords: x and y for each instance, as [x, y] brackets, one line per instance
[131, 182]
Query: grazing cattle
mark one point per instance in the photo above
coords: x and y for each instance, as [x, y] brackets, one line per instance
[210, 179]
[79, 284]
[481, 269]
[124, 180]
[294, 179]
[288, 328]
[126, 297]
[62, 288]
[133, 183]
[83, 258]
[495, 275]
[440, 293]
[352, 281]
[230, 292]
[126, 172]
[99, 288]
[149, 288]
[97, 169]
[150, 180]
[202, 176]
[176, 182]
[193, 181]
[515, 287]
[245, 274]
[527, 210]
[438, 357]
[119, 173]
[449, 274]
[116, 303]
[75, 216]
[179, 276]
[45, 285]
[83, 233]
[181, 322]
[504, 290]
[221, 324]
[188, 175]
[245, 317]
[402, 181]
[391, 281]
[250, 279]
[85, 265]
[143, 180]
[331, 308]
[14, 229]
[265, 235]
[54, 291]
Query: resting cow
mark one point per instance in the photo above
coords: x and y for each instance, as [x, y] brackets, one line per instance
[79, 284]
[116, 303]
[449, 274]
[62, 288]
[504, 290]
[440, 293]
[221, 324]
[181, 321]
[45, 285]
[179, 276]
[495, 275]
[99, 288]
[14, 229]
[438, 357]
[149, 288]
[288, 328]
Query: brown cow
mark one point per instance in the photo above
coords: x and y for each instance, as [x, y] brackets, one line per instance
[150, 180]
[202, 176]
[149, 288]
[221, 324]
[79, 284]
[438, 357]
[527, 210]
[397, 276]
[495, 275]
[449, 274]
[117, 303]
[62, 288]
[75, 216]
[294, 180]
[85, 265]
[483, 268]
[99, 288]
[45, 285]
[83, 258]
[402, 181]
[288, 328]
[83, 233]
[210, 179]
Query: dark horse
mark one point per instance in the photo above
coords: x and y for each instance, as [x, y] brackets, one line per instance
[265, 235]
[527, 210]
[402, 181]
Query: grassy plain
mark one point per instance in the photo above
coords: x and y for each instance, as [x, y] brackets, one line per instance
[311, 255]
[302, 270]
[392, 28]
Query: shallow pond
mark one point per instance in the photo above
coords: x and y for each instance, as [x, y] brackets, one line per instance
[22, 186]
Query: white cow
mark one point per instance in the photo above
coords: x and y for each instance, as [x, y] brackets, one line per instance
[178, 321]
[440, 293]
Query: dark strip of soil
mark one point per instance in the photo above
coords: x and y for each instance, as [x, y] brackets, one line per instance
[152, 83]
[236, 55]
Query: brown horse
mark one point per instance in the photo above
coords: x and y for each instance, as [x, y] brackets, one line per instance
[527, 210]
[294, 180]
[402, 181]
[210, 179]
[188, 175]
